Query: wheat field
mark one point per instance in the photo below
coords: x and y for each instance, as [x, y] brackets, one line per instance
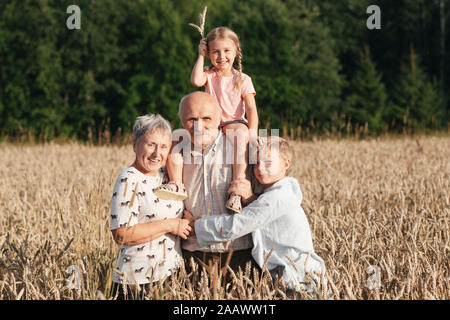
[379, 211]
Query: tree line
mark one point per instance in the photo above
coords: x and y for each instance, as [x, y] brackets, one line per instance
[314, 63]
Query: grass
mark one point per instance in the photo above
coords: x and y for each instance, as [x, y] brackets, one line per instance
[378, 202]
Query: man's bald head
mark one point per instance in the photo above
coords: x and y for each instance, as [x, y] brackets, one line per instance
[200, 116]
[197, 97]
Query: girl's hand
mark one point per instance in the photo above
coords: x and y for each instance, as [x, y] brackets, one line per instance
[202, 48]
[181, 227]
[243, 188]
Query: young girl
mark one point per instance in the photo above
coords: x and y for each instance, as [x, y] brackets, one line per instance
[234, 93]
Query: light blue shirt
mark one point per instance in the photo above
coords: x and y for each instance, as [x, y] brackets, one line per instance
[276, 221]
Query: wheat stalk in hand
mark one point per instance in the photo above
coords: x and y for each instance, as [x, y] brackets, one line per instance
[202, 18]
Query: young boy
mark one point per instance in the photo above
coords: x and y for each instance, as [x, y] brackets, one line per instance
[275, 219]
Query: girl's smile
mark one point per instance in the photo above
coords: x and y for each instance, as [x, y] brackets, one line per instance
[222, 53]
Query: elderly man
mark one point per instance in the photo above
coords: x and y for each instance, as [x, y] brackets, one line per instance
[207, 173]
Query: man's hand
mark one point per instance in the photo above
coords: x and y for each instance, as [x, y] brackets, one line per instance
[188, 215]
[243, 188]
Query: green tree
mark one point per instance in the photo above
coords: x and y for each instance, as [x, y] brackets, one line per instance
[267, 62]
[418, 103]
[18, 39]
[160, 55]
[346, 22]
[288, 53]
[135, 57]
[367, 98]
[316, 68]
[94, 63]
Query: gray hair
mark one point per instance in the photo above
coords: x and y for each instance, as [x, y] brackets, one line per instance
[150, 122]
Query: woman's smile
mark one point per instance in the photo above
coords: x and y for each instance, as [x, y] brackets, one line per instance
[151, 151]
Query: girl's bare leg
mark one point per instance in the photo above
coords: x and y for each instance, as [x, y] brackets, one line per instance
[174, 189]
[238, 134]
[174, 166]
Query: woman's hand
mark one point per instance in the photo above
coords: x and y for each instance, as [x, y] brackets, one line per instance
[180, 227]
[202, 48]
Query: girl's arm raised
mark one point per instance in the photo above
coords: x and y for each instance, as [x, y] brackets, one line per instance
[198, 76]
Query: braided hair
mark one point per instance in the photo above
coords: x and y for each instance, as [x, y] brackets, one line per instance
[227, 33]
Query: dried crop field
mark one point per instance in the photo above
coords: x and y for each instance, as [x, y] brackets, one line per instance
[378, 210]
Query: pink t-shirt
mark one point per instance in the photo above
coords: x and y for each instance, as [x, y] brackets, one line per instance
[230, 100]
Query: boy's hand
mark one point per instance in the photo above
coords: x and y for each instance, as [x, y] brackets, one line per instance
[202, 48]
[243, 188]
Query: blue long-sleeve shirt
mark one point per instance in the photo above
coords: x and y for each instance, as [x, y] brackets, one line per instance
[276, 221]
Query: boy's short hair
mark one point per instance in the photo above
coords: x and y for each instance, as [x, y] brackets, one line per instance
[285, 151]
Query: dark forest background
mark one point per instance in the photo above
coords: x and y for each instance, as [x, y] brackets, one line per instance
[314, 64]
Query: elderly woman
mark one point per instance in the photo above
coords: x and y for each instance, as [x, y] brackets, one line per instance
[148, 229]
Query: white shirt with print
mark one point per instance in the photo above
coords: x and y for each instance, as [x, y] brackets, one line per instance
[134, 202]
